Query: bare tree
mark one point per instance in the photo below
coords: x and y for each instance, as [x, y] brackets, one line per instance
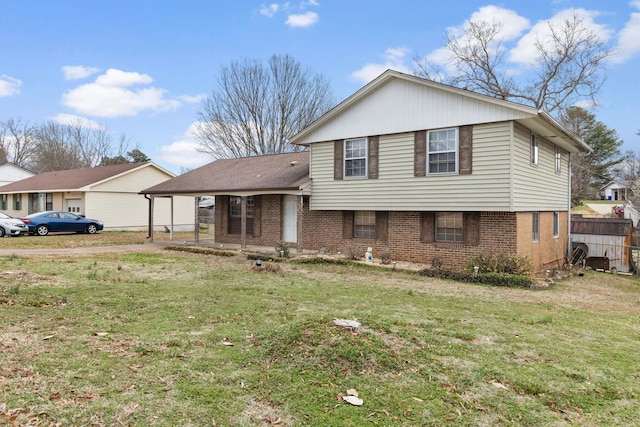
[72, 146]
[256, 108]
[568, 65]
[17, 142]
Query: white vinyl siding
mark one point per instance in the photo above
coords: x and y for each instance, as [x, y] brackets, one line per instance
[392, 108]
[486, 189]
[539, 188]
[128, 210]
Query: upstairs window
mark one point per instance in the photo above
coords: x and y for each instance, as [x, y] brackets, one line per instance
[355, 158]
[364, 224]
[558, 160]
[450, 227]
[535, 150]
[442, 149]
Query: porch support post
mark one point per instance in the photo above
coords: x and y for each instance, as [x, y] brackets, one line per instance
[171, 219]
[299, 217]
[243, 222]
[196, 230]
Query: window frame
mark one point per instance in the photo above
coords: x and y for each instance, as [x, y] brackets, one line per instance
[535, 150]
[455, 151]
[235, 202]
[535, 226]
[364, 224]
[4, 202]
[452, 229]
[558, 157]
[556, 224]
[348, 160]
[17, 202]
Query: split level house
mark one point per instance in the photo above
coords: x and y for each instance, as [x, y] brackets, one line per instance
[426, 172]
[107, 193]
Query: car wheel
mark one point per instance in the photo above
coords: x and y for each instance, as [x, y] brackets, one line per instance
[92, 229]
[1, 232]
[42, 230]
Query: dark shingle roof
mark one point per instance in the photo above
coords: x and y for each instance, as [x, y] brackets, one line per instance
[275, 172]
[68, 179]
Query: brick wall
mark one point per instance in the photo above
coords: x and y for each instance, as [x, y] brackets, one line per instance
[500, 232]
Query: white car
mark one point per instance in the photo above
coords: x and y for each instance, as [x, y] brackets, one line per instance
[12, 226]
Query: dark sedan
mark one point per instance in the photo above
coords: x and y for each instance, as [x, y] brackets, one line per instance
[42, 223]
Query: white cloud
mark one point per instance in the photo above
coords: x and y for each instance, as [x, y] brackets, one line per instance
[302, 20]
[9, 86]
[72, 119]
[393, 59]
[629, 37]
[184, 152]
[189, 99]
[112, 95]
[75, 72]
[118, 78]
[270, 10]
[525, 51]
[513, 25]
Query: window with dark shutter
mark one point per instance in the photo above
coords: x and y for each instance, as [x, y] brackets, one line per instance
[373, 157]
[420, 153]
[427, 227]
[472, 228]
[347, 224]
[338, 159]
[382, 226]
[466, 150]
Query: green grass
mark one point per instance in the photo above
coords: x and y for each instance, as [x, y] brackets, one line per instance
[136, 339]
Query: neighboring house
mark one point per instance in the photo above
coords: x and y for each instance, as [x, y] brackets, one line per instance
[10, 172]
[108, 193]
[615, 190]
[428, 172]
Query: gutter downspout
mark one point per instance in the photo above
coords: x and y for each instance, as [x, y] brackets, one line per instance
[569, 242]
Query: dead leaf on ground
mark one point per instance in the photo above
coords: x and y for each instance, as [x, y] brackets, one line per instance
[226, 341]
[353, 400]
[101, 334]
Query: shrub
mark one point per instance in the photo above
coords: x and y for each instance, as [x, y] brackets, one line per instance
[352, 253]
[501, 263]
[494, 279]
[282, 248]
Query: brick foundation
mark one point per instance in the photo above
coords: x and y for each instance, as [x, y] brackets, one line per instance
[324, 229]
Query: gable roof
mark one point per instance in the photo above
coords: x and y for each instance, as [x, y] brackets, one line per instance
[395, 102]
[258, 174]
[13, 165]
[72, 179]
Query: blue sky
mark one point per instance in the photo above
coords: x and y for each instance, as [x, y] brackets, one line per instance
[143, 67]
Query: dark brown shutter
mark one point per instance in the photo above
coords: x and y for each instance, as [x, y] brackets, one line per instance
[428, 228]
[465, 145]
[472, 228]
[347, 224]
[373, 157]
[257, 216]
[338, 159]
[382, 226]
[222, 210]
[420, 153]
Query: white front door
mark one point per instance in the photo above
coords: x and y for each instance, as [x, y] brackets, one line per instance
[290, 222]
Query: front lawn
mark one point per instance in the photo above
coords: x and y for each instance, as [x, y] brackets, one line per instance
[184, 339]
